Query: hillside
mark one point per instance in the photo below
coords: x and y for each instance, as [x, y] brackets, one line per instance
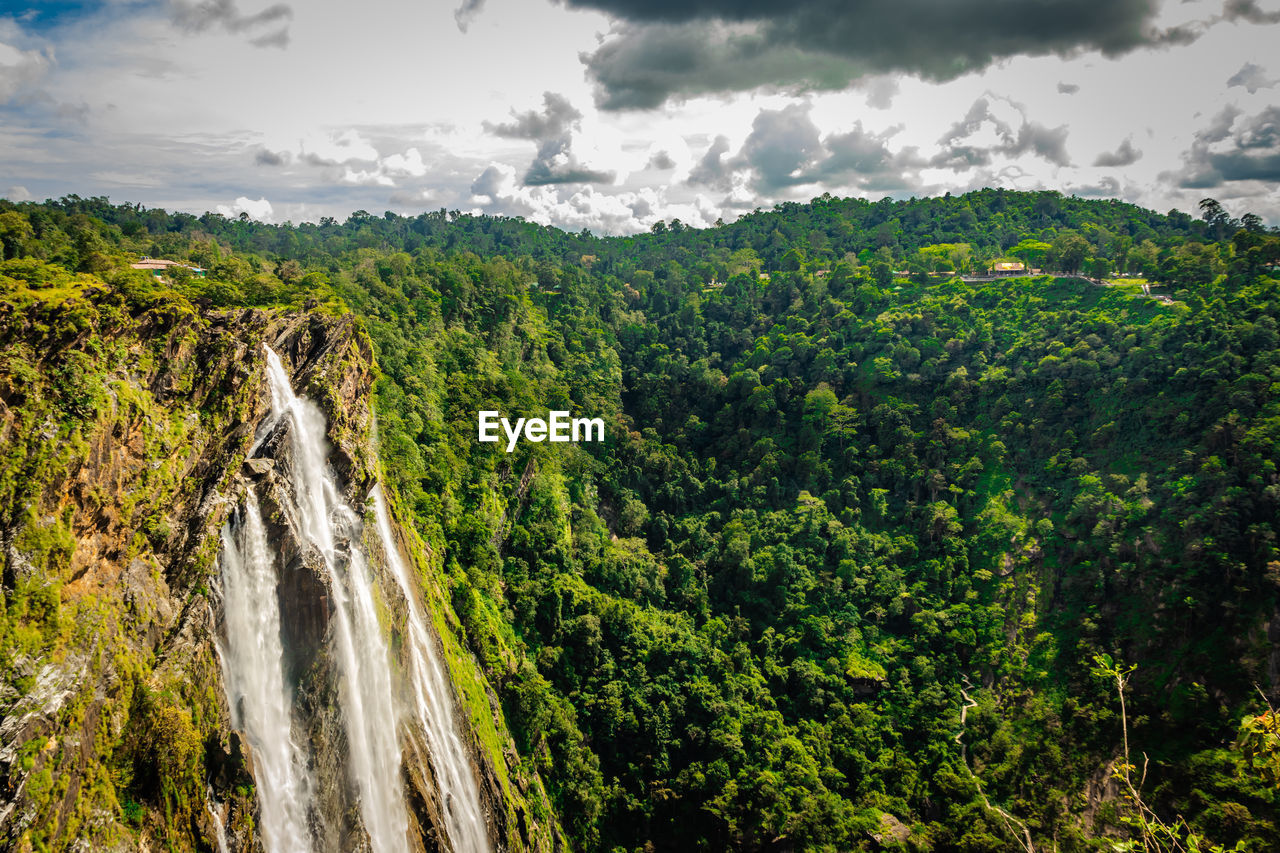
[849, 571]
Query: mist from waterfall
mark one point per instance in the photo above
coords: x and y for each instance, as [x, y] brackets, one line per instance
[252, 657]
[433, 702]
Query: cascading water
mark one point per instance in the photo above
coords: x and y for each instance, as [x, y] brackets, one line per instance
[214, 808]
[433, 701]
[253, 677]
[253, 655]
[324, 521]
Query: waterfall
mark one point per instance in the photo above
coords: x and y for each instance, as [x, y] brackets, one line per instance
[324, 521]
[214, 808]
[253, 676]
[433, 702]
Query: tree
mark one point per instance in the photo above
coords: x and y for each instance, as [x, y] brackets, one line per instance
[1220, 224]
[1031, 252]
[1069, 251]
[15, 231]
[1252, 223]
[881, 273]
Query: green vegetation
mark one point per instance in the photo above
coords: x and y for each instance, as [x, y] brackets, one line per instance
[843, 574]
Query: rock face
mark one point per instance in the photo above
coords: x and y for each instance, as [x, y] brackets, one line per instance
[124, 428]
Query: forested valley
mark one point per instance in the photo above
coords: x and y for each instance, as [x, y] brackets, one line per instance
[871, 555]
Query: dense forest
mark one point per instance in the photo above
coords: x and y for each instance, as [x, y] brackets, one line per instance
[877, 553]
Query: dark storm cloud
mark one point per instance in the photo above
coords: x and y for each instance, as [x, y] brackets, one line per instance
[863, 158]
[978, 113]
[785, 149]
[960, 158]
[224, 14]
[555, 164]
[1247, 10]
[267, 157]
[1220, 128]
[665, 48]
[1125, 155]
[1049, 143]
[557, 118]
[713, 170]
[1246, 150]
[1251, 77]
[488, 183]
[1030, 137]
[780, 144]
[552, 129]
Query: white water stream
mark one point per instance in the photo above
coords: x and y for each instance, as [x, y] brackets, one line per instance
[253, 678]
[433, 702]
[214, 808]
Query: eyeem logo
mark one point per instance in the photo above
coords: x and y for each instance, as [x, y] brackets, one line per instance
[558, 427]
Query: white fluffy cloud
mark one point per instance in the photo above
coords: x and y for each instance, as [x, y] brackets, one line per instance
[259, 209]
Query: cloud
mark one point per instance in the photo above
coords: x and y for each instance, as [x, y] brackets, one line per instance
[366, 177]
[409, 164]
[1108, 187]
[782, 142]
[274, 159]
[863, 158]
[18, 193]
[414, 199]
[199, 17]
[786, 149]
[1220, 128]
[553, 129]
[334, 149]
[1049, 143]
[990, 119]
[467, 12]
[663, 49]
[280, 39]
[661, 160]
[348, 157]
[1247, 10]
[558, 117]
[1231, 150]
[260, 209]
[713, 170]
[1125, 155]
[1252, 78]
[496, 190]
[1068, 88]
[21, 70]
[494, 182]
[386, 171]
[881, 91]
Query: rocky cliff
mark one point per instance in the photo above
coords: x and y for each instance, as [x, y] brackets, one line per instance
[125, 419]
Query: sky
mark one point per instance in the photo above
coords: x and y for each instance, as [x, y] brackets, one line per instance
[611, 115]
